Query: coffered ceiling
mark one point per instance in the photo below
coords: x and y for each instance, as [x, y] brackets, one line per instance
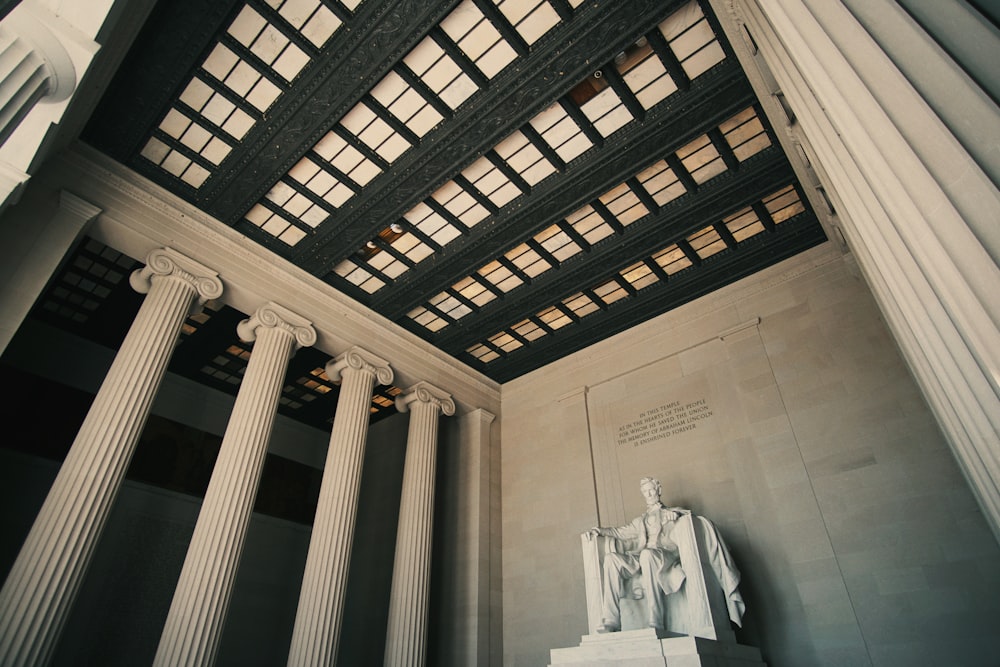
[511, 180]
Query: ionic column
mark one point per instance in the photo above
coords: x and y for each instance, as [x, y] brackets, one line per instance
[321, 602]
[48, 571]
[407, 628]
[198, 611]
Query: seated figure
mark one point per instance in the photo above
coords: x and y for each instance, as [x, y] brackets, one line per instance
[675, 563]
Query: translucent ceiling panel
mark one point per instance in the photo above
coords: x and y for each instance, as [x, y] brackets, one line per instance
[745, 134]
[701, 159]
[441, 74]
[661, 183]
[560, 132]
[406, 104]
[478, 38]
[691, 39]
[531, 18]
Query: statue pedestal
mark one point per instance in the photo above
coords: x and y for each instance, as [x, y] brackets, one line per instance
[653, 648]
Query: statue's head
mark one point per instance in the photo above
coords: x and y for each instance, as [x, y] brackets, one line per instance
[650, 489]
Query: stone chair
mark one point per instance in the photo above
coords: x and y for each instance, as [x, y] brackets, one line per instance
[707, 600]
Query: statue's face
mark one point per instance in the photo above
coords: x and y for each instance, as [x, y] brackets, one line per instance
[650, 493]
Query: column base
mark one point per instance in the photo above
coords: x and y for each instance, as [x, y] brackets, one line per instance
[654, 648]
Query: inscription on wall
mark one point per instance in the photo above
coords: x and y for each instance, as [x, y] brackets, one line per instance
[663, 422]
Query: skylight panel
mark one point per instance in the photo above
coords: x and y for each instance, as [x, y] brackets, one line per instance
[528, 260]
[428, 319]
[310, 17]
[528, 330]
[505, 341]
[483, 353]
[406, 104]
[321, 183]
[374, 132]
[554, 318]
[359, 276]
[460, 203]
[474, 291]
[268, 42]
[745, 134]
[492, 182]
[275, 225]
[624, 204]
[557, 242]
[661, 183]
[440, 72]
[525, 158]
[672, 259]
[561, 132]
[701, 159]
[531, 18]
[783, 204]
[706, 242]
[580, 304]
[639, 275]
[610, 291]
[644, 74]
[348, 160]
[691, 39]
[412, 247]
[230, 365]
[450, 305]
[218, 110]
[478, 38]
[499, 276]
[606, 111]
[432, 224]
[589, 224]
[743, 224]
[241, 77]
[175, 162]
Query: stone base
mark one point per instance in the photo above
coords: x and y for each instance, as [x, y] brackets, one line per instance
[654, 648]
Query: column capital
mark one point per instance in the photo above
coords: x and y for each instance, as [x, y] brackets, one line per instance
[425, 392]
[360, 359]
[169, 262]
[272, 315]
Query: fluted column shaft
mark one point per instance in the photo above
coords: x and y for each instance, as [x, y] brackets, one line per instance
[48, 571]
[405, 644]
[321, 603]
[198, 610]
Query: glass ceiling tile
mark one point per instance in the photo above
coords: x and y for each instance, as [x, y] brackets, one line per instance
[692, 40]
[460, 203]
[530, 18]
[474, 291]
[427, 319]
[413, 248]
[606, 112]
[611, 291]
[560, 132]
[589, 224]
[624, 204]
[478, 38]
[554, 318]
[661, 183]
[707, 242]
[701, 159]
[492, 182]
[528, 260]
[524, 158]
[432, 224]
[483, 353]
[558, 243]
[639, 275]
[745, 134]
[528, 330]
[672, 259]
[450, 306]
[743, 224]
[648, 79]
[784, 204]
[499, 276]
[580, 304]
[374, 132]
[505, 341]
[358, 276]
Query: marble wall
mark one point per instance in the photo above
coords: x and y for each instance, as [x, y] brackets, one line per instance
[780, 408]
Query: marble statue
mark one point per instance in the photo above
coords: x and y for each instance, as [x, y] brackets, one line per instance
[673, 563]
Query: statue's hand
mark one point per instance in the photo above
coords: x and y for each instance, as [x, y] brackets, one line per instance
[593, 532]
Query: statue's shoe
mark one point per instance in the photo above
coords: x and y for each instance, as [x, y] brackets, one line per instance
[608, 626]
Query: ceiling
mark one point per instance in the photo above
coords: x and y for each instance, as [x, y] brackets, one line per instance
[511, 180]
